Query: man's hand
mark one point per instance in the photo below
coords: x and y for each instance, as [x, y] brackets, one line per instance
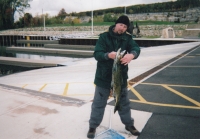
[127, 59]
[112, 55]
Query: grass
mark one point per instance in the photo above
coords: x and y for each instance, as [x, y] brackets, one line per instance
[158, 23]
[112, 23]
[57, 25]
[83, 24]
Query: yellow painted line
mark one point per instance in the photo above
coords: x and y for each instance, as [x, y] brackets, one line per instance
[59, 83]
[165, 105]
[182, 95]
[189, 86]
[24, 86]
[66, 89]
[136, 93]
[42, 87]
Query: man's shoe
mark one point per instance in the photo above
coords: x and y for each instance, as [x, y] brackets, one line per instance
[91, 133]
[133, 130]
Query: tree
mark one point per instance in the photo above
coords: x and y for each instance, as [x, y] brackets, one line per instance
[68, 19]
[37, 20]
[82, 14]
[8, 9]
[131, 11]
[62, 14]
[76, 21]
[5, 14]
[109, 18]
[98, 19]
[27, 19]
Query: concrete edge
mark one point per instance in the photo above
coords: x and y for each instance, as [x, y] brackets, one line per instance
[61, 99]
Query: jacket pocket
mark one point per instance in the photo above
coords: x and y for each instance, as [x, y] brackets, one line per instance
[125, 72]
[104, 74]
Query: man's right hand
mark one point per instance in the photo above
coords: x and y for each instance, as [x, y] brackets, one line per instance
[112, 55]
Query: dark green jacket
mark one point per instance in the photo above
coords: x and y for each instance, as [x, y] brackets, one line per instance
[108, 42]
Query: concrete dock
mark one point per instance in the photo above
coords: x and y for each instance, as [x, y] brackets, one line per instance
[55, 102]
[38, 41]
[31, 63]
[74, 47]
[63, 52]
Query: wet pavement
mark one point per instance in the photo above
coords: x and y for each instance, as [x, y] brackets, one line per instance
[173, 96]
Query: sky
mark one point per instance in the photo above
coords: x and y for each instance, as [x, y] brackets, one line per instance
[52, 7]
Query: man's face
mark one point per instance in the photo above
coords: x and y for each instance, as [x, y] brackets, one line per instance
[120, 28]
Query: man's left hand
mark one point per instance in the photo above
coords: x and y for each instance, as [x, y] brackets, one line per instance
[127, 59]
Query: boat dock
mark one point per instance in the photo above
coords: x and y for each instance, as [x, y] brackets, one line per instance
[28, 63]
[69, 47]
[55, 103]
[48, 51]
[144, 42]
[38, 41]
[74, 47]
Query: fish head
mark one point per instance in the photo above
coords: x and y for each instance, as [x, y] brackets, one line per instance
[119, 55]
[122, 53]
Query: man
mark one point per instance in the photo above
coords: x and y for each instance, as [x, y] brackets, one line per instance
[105, 52]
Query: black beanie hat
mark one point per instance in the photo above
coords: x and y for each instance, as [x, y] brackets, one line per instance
[123, 19]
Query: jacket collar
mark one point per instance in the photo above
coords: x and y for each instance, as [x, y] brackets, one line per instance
[117, 36]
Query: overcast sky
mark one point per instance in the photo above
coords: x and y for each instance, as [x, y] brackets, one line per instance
[52, 7]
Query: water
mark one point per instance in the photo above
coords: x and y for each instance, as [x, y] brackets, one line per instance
[60, 59]
[3, 52]
[6, 69]
[37, 56]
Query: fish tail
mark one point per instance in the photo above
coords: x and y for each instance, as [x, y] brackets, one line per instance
[116, 106]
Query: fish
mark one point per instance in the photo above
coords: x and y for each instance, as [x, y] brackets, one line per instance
[117, 80]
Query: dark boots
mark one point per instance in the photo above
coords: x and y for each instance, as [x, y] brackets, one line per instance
[91, 133]
[133, 130]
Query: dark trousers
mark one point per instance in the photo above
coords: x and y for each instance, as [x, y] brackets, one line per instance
[99, 104]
